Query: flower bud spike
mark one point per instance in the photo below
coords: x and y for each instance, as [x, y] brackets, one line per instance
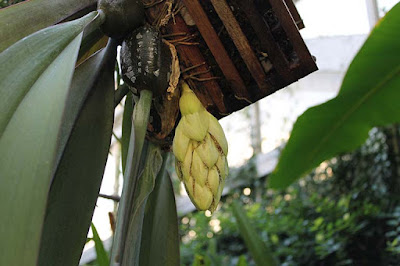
[200, 149]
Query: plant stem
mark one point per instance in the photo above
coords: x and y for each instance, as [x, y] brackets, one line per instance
[140, 118]
[151, 166]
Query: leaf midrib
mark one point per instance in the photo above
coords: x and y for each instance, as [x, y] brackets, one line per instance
[355, 107]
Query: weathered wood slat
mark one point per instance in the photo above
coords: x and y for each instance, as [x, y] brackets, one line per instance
[217, 49]
[306, 62]
[295, 14]
[242, 44]
[190, 55]
[263, 32]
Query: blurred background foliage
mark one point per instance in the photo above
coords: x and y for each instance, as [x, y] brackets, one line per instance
[5, 3]
[346, 212]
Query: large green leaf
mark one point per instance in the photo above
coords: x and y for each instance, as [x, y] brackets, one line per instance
[160, 225]
[22, 64]
[101, 254]
[369, 97]
[73, 193]
[23, 19]
[35, 76]
[87, 77]
[258, 249]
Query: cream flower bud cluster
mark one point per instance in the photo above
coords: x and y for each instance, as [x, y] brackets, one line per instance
[200, 149]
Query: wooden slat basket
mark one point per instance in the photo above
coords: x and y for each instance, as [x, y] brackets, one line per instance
[231, 52]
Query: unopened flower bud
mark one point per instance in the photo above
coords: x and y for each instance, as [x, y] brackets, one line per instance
[200, 149]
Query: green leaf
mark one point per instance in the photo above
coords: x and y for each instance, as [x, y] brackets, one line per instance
[212, 254]
[74, 191]
[23, 19]
[145, 185]
[242, 261]
[93, 39]
[22, 64]
[160, 225]
[258, 249]
[126, 128]
[140, 118]
[92, 47]
[121, 92]
[369, 97]
[35, 76]
[102, 257]
[87, 78]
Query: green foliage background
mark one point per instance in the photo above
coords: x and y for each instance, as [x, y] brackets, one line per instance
[345, 213]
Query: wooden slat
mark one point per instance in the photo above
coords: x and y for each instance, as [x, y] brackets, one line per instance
[264, 34]
[217, 49]
[307, 64]
[209, 92]
[242, 44]
[295, 14]
[190, 55]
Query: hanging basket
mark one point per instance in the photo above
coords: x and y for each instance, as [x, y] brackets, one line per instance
[231, 53]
